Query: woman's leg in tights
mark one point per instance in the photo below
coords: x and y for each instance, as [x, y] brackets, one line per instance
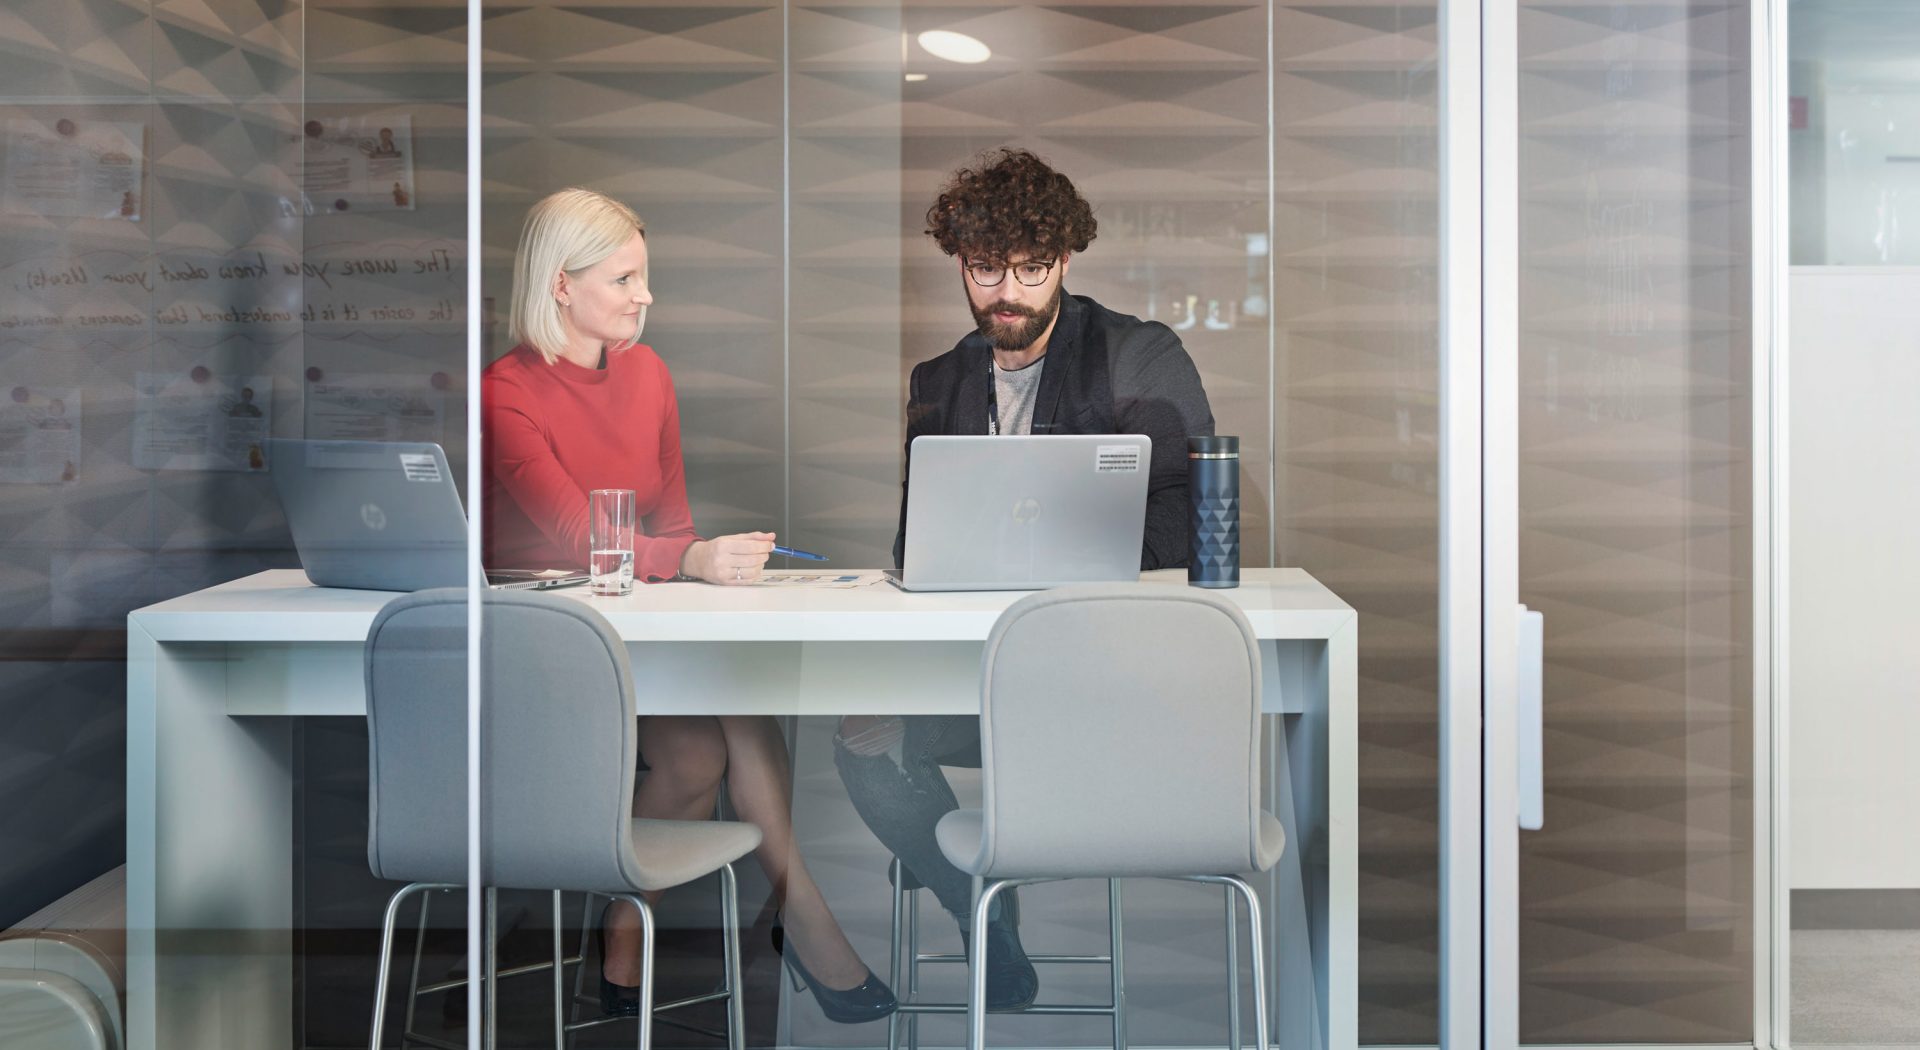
[759, 786]
[686, 757]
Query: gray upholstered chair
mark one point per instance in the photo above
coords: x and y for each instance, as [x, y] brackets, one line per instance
[558, 750]
[1120, 738]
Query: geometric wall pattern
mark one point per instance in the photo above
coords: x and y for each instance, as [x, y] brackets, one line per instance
[1355, 394]
[206, 87]
[1636, 529]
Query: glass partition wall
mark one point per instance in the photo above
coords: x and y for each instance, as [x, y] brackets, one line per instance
[1264, 178]
[227, 221]
[1853, 890]
[1637, 520]
[221, 223]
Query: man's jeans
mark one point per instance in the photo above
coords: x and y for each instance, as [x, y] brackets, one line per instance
[901, 794]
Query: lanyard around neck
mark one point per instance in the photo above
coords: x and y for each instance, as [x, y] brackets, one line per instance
[993, 399]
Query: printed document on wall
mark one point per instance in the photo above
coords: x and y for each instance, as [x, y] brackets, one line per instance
[40, 435]
[200, 420]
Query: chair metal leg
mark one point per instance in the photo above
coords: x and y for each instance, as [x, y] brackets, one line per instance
[645, 1039]
[1256, 951]
[490, 987]
[977, 963]
[387, 927]
[730, 946]
[1118, 967]
[559, 980]
[895, 933]
[1233, 972]
[413, 978]
[913, 967]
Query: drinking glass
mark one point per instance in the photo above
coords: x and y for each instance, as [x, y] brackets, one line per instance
[610, 541]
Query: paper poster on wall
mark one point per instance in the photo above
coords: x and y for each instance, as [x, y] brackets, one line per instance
[357, 164]
[373, 408]
[198, 420]
[40, 435]
[73, 167]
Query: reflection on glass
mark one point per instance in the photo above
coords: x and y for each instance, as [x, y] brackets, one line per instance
[1853, 134]
[1855, 904]
[1636, 910]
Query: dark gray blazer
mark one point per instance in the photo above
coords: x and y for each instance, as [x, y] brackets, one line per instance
[1106, 373]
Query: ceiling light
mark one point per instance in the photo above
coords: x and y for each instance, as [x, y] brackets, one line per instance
[954, 47]
[915, 78]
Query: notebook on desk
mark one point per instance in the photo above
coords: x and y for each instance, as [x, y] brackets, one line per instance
[1018, 513]
[382, 516]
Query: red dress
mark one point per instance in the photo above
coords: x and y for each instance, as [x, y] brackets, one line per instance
[552, 432]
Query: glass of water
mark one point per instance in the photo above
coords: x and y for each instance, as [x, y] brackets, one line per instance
[610, 541]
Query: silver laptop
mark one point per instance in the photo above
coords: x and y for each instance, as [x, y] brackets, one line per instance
[380, 516]
[1021, 513]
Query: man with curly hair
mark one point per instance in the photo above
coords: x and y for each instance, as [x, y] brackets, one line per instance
[1040, 361]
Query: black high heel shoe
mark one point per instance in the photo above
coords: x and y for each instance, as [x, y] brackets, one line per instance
[616, 1000]
[870, 1000]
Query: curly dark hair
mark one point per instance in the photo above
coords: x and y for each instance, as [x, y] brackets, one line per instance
[1010, 202]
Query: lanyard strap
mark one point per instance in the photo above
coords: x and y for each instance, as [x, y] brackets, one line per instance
[993, 400]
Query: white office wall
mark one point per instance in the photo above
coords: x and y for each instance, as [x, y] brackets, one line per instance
[1853, 449]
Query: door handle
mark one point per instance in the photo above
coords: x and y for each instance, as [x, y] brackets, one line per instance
[1529, 717]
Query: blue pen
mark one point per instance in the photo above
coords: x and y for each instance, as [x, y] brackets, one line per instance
[791, 553]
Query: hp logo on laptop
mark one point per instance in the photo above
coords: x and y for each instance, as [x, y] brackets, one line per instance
[375, 518]
[1026, 511]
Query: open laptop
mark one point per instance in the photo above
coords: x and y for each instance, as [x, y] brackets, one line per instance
[381, 516]
[1022, 513]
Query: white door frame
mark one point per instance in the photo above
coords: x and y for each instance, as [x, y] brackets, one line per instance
[1772, 1003]
[1461, 532]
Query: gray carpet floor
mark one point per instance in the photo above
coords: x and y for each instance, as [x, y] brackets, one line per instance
[1856, 987]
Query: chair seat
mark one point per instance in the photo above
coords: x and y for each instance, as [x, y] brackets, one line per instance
[959, 834]
[669, 853]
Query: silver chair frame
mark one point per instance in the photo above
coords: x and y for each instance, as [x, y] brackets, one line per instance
[564, 1025]
[905, 959]
[977, 969]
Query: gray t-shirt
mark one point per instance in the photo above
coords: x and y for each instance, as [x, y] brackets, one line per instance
[1016, 393]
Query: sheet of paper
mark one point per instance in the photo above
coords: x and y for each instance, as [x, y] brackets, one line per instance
[201, 421]
[357, 164]
[62, 166]
[821, 578]
[40, 435]
[373, 408]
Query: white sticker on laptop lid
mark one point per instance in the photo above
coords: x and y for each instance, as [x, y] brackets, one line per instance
[420, 467]
[1116, 459]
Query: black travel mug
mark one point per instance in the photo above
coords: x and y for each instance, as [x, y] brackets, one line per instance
[1213, 484]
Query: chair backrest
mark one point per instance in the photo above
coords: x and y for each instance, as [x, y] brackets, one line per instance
[557, 728]
[1120, 734]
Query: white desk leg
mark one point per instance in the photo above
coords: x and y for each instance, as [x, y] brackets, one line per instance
[209, 858]
[1341, 1010]
[1293, 981]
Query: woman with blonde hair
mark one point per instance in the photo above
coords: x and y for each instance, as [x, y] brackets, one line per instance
[581, 404]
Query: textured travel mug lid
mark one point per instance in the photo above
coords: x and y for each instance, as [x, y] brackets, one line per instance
[1218, 446]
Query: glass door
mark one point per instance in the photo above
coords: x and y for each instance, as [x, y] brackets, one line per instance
[1621, 510]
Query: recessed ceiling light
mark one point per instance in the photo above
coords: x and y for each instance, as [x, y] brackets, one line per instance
[954, 47]
[915, 78]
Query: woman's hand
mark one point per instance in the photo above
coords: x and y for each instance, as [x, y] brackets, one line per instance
[728, 560]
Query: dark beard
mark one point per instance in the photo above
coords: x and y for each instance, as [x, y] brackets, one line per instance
[1020, 334]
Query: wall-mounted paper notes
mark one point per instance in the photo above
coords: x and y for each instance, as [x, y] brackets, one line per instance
[201, 421]
[40, 435]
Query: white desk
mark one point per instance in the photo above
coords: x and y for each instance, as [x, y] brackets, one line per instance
[212, 678]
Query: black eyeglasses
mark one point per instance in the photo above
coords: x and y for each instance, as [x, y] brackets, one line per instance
[1031, 273]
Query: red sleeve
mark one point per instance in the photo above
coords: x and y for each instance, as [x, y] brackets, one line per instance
[522, 460]
[669, 529]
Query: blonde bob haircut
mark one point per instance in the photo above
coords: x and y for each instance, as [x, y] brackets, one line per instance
[566, 232]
